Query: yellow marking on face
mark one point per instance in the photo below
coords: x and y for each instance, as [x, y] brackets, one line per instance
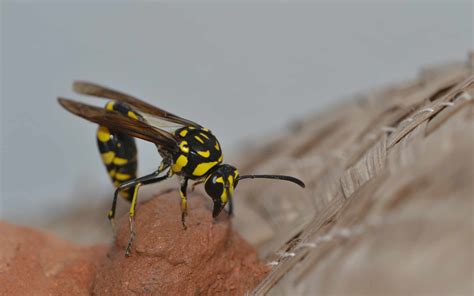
[108, 157]
[120, 161]
[199, 139]
[184, 146]
[181, 162]
[202, 168]
[103, 134]
[220, 159]
[224, 195]
[224, 192]
[231, 185]
[110, 106]
[217, 146]
[236, 174]
[205, 154]
[112, 173]
[183, 133]
[132, 114]
[122, 177]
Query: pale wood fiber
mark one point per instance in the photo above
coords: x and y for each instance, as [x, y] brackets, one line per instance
[388, 206]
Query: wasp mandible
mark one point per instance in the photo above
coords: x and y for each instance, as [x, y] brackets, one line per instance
[188, 150]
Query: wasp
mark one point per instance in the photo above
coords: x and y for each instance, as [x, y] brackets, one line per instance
[188, 150]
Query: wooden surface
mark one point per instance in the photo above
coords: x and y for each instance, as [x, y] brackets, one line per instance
[388, 206]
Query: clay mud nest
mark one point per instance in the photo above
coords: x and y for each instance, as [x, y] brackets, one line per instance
[209, 258]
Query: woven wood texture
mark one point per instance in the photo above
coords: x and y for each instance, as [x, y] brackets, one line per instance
[388, 206]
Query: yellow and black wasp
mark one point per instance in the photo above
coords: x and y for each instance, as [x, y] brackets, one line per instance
[187, 149]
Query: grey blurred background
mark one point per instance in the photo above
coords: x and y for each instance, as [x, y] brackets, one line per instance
[243, 70]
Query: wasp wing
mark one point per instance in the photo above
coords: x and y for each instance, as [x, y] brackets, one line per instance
[117, 122]
[92, 89]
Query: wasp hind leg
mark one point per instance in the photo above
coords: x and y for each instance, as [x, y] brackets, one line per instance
[129, 186]
[132, 219]
[135, 184]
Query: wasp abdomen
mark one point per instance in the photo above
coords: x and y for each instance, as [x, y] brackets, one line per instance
[118, 150]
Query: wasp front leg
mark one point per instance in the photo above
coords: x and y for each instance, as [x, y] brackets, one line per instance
[184, 202]
[230, 212]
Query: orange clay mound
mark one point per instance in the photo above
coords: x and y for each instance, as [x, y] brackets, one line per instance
[36, 263]
[206, 259]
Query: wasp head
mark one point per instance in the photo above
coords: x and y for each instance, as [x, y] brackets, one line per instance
[220, 186]
[223, 179]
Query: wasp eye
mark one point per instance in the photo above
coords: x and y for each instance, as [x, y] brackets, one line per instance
[213, 187]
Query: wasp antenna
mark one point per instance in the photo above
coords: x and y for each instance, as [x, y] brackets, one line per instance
[277, 177]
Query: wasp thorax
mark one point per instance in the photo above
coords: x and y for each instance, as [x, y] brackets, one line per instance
[220, 185]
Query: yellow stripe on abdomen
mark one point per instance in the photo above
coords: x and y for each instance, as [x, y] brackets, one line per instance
[120, 161]
[108, 157]
[122, 177]
[103, 134]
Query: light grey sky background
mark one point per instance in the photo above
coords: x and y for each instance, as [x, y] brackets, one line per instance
[241, 69]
